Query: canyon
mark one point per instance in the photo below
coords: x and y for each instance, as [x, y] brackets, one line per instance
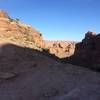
[32, 68]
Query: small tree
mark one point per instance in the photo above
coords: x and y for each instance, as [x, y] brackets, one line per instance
[17, 19]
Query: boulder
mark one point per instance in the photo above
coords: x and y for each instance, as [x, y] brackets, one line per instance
[3, 14]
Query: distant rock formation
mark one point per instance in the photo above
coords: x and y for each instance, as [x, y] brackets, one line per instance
[61, 49]
[20, 33]
[87, 52]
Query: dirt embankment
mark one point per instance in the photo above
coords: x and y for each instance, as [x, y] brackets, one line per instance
[28, 74]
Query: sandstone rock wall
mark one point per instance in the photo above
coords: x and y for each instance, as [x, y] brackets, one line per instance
[61, 49]
[87, 52]
[19, 32]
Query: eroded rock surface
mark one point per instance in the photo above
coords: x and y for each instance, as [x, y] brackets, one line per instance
[61, 49]
[22, 34]
[87, 52]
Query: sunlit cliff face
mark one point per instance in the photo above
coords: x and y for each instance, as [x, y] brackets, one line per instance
[61, 49]
[16, 31]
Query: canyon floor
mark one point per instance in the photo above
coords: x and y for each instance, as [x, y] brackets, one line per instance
[26, 74]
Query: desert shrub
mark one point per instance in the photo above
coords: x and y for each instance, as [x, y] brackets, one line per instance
[11, 19]
[14, 20]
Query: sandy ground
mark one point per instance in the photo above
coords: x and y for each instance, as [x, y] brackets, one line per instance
[30, 75]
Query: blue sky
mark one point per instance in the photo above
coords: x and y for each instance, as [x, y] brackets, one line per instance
[57, 19]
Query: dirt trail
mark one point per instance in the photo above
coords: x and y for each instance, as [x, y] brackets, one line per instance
[38, 77]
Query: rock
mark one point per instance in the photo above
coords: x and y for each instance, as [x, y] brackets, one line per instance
[90, 34]
[3, 14]
[61, 49]
[16, 31]
[7, 75]
[87, 52]
[51, 93]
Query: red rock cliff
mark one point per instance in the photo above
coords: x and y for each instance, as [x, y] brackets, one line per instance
[16, 31]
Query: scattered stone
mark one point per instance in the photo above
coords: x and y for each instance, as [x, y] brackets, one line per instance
[7, 75]
[51, 93]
